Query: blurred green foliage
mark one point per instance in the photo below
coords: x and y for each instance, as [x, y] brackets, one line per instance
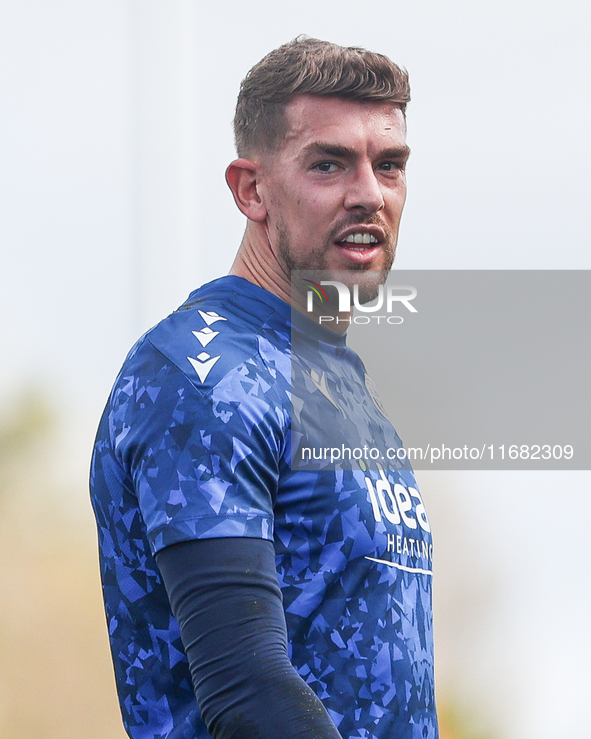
[26, 421]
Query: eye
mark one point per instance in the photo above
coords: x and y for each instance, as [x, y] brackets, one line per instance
[390, 166]
[325, 167]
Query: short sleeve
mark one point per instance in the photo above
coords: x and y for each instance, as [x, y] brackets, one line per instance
[203, 464]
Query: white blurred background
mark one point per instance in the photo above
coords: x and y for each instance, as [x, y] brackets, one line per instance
[115, 131]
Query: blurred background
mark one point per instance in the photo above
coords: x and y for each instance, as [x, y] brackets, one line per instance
[115, 130]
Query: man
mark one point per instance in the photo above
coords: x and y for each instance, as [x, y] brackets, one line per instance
[245, 598]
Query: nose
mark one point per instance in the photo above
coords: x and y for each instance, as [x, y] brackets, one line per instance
[365, 192]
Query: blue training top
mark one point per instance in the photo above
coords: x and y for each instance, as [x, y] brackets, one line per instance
[195, 442]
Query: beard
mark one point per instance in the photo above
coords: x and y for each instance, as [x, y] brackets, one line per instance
[367, 279]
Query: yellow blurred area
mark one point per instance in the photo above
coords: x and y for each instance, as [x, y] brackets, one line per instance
[455, 723]
[56, 677]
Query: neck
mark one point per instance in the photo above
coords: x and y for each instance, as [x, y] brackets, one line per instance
[257, 262]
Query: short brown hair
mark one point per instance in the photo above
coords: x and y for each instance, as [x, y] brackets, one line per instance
[308, 66]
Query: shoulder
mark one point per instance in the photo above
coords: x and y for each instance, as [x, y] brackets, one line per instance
[224, 329]
[218, 364]
[228, 342]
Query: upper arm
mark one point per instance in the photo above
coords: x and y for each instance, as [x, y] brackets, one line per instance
[203, 464]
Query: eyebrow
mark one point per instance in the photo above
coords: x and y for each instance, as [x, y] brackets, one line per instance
[344, 152]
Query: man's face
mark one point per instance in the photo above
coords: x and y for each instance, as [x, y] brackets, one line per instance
[335, 190]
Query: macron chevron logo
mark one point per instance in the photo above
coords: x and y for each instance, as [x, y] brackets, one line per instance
[320, 384]
[205, 335]
[202, 364]
[211, 317]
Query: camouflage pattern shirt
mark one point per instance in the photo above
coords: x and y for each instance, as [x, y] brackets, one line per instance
[195, 442]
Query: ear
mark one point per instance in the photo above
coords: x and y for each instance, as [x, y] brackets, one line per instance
[242, 179]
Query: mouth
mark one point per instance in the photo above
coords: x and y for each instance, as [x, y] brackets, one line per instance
[361, 244]
[359, 240]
